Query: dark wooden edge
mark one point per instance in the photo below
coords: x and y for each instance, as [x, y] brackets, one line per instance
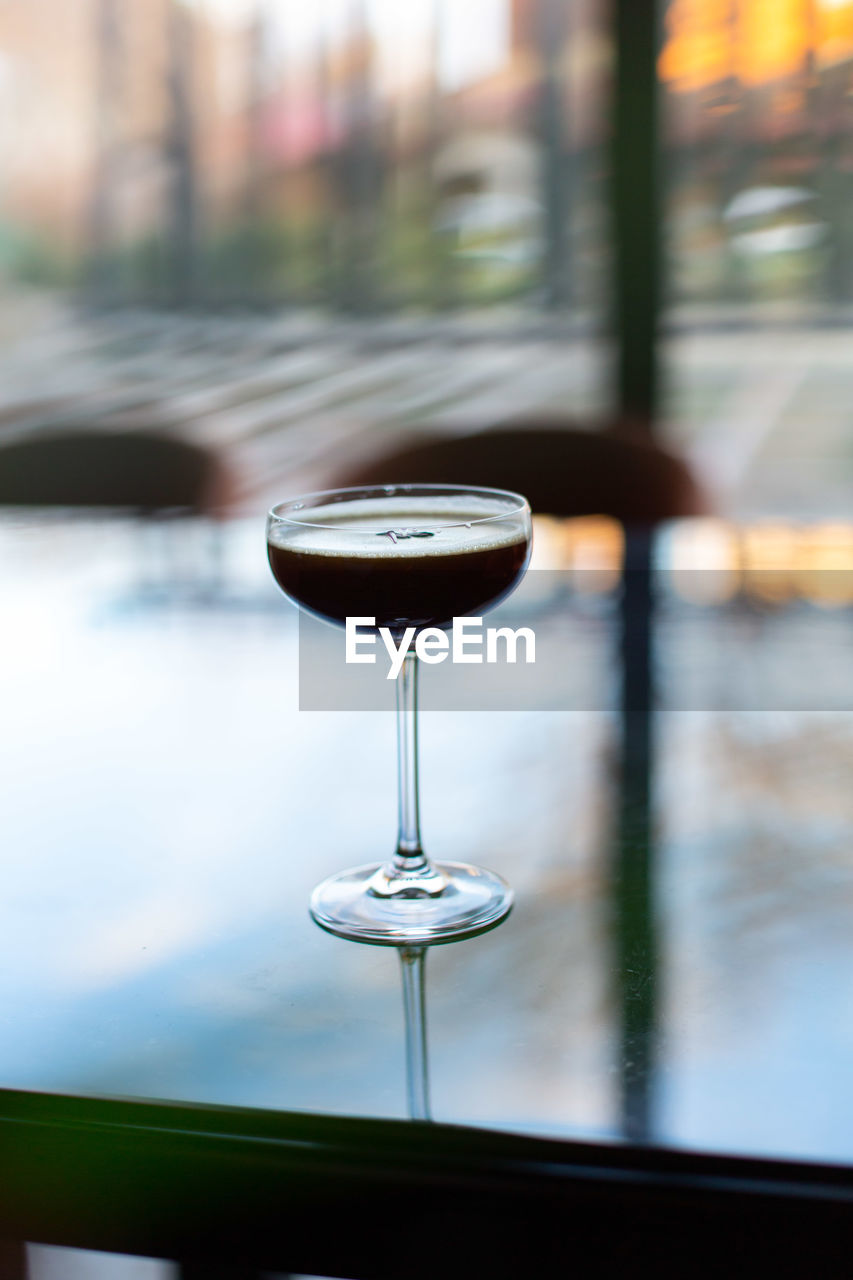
[381, 1198]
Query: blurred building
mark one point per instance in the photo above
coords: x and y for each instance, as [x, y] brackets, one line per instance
[47, 73]
[174, 144]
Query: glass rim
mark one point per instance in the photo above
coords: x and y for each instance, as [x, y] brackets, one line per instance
[276, 515]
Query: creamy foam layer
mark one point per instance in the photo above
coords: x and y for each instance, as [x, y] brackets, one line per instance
[401, 526]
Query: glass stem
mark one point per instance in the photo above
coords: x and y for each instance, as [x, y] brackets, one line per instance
[412, 966]
[409, 856]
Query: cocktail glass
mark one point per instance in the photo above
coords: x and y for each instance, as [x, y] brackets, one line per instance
[411, 557]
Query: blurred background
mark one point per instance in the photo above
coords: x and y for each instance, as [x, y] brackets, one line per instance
[281, 241]
[283, 230]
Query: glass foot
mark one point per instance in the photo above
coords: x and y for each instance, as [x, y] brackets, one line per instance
[471, 902]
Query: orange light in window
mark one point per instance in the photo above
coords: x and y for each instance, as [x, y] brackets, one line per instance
[699, 47]
[834, 35]
[757, 41]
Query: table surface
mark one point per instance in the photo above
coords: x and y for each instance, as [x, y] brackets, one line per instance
[167, 808]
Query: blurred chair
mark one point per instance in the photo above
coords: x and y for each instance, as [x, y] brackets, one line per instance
[134, 471]
[561, 470]
[149, 476]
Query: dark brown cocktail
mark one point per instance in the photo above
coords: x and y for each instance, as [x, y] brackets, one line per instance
[416, 572]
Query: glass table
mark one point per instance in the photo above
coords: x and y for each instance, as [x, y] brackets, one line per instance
[653, 1049]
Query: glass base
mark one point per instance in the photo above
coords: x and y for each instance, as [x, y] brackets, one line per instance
[471, 902]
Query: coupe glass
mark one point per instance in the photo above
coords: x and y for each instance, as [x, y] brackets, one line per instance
[407, 555]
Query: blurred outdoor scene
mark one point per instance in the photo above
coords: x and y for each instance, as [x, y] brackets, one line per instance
[291, 232]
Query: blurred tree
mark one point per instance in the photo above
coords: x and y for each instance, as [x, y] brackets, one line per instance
[183, 211]
[550, 31]
[359, 171]
[109, 63]
[256, 247]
